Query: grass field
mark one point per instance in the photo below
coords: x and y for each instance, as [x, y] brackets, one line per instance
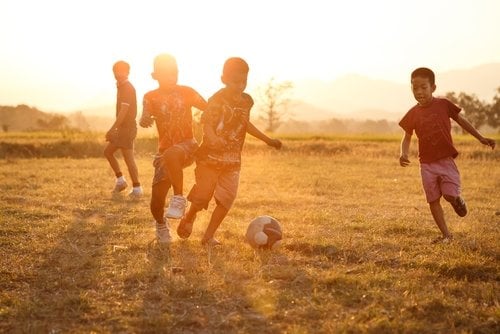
[356, 255]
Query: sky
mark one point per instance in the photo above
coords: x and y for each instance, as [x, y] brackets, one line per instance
[57, 55]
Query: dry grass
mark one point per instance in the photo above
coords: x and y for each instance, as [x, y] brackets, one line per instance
[356, 255]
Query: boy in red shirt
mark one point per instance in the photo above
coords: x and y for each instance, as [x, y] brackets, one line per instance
[170, 107]
[218, 161]
[430, 119]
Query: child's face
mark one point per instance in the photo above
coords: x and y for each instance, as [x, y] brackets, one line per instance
[422, 90]
[165, 75]
[236, 83]
[120, 74]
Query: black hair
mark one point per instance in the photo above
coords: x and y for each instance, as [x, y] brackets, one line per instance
[424, 72]
[121, 65]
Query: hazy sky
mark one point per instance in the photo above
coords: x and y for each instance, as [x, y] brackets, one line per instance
[57, 54]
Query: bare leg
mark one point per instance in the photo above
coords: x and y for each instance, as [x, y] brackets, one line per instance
[438, 215]
[174, 157]
[216, 219]
[109, 153]
[158, 195]
[128, 156]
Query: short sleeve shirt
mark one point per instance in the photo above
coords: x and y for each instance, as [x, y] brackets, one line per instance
[125, 94]
[432, 126]
[173, 114]
[229, 119]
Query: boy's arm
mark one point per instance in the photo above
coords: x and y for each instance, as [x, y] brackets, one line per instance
[147, 119]
[252, 129]
[405, 149]
[470, 129]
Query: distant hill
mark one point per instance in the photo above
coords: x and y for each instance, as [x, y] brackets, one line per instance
[359, 97]
[23, 117]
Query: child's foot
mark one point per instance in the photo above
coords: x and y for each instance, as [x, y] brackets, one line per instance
[212, 242]
[120, 186]
[459, 206]
[136, 193]
[163, 233]
[443, 240]
[185, 228]
[176, 207]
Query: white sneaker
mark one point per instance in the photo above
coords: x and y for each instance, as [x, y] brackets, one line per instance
[163, 233]
[176, 207]
[120, 186]
[136, 193]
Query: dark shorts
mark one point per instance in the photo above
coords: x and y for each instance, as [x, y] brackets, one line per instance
[188, 147]
[124, 138]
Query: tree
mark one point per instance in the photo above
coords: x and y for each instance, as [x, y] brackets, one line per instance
[475, 110]
[274, 99]
[494, 114]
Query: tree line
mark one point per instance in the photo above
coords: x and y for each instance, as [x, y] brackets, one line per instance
[274, 98]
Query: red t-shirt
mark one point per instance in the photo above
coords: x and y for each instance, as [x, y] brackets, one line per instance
[433, 129]
[172, 113]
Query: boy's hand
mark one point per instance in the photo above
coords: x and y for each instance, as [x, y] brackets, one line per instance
[146, 121]
[403, 161]
[488, 141]
[276, 143]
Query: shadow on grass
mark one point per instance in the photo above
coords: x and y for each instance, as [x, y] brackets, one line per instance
[66, 280]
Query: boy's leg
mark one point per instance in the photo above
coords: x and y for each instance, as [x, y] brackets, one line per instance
[225, 194]
[174, 162]
[199, 196]
[438, 215]
[128, 156]
[220, 212]
[109, 153]
[158, 194]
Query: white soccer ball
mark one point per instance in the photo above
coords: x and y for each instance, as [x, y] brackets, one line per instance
[264, 232]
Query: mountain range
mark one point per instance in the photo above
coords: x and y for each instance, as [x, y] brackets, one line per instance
[359, 97]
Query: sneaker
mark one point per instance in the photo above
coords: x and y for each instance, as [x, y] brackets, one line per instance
[185, 228]
[176, 207]
[136, 193]
[459, 206]
[120, 186]
[443, 240]
[163, 233]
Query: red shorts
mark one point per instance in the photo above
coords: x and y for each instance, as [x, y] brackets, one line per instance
[440, 178]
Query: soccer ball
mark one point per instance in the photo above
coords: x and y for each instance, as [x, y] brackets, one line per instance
[264, 232]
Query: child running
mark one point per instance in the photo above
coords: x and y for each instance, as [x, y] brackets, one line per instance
[430, 119]
[170, 107]
[218, 160]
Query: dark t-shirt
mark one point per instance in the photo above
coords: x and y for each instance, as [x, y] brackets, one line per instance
[229, 119]
[126, 95]
[172, 113]
[433, 129]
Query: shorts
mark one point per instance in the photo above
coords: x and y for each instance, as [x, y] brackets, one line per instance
[188, 147]
[440, 178]
[220, 183]
[124, 138]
